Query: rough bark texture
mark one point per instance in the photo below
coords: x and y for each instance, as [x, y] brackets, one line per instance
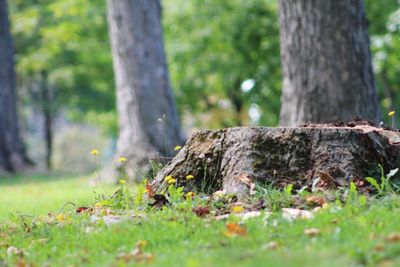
[12, 153]
[326, 60]
[148, 120]
[235, 158]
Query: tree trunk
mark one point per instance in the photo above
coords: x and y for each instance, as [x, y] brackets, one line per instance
[320, 156]
[47, 102]
[326, 62]
[148, 121]
[12, 151]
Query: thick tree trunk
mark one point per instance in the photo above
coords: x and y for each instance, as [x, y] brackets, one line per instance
[148, 120]
[327, 156]
[326, 62]
[12, 152]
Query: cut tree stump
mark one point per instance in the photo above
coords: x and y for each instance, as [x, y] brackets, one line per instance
[323, 155]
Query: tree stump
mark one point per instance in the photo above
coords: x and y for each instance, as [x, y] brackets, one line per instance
[326, 155]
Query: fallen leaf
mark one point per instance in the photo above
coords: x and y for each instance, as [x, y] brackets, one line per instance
[379, 248]
[149, 190]
[84, 209]
[271, 245]
[312, 232]
[244, 215]
[14, 251]
[234, 229]
[21, 263]
[137, 253]
[315, 201]
[201, 211]
[393, 237]
[245, 179]
[292, 214]
[111, 219]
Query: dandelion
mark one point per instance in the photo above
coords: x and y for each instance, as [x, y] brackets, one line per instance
[121, 159]
[171, 181]
[167, 178]
[237, 209]
[189, 194]
[391, 114]
[188, 177]
[122, 182]
[177, 148]
[60, 218]
[94, 152]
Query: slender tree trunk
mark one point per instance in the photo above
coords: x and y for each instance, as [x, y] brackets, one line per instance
[235, 97]
[12, 151]
[326, 62]
[47, 99]
[148, 121]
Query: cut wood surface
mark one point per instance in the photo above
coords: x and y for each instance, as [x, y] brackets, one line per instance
[326, 155]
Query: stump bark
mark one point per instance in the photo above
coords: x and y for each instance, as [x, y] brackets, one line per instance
[329, 155]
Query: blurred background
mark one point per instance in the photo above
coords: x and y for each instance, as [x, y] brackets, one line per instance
[223, 59]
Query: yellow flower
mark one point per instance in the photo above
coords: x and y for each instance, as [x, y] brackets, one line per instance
[167, 178]
[391, 113]
[188, 177]
[94, 152]
[237, 209]
[171, 181]
[177, 148]
[61, 217]
[122, 182]
[189, 194]
[121, 159]
[98, 205]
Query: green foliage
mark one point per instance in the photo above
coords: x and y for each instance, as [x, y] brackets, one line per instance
[384, 25]
[175, 194]
[384, 186]
[69, 41]
[214, 46]
[354, 201]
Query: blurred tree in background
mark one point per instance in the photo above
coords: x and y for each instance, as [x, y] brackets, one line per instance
[12, 149]
[326, 61]
[64, 63]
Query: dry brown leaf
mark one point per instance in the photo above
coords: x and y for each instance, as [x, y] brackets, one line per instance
[245, 179]
[201, 211]
[137, 254]
[379, 248]
[312, 232]
[393, 237]
[315, 201]
[149, 190]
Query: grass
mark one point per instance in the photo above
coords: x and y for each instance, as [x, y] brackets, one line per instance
[356, 233]
[40, 194]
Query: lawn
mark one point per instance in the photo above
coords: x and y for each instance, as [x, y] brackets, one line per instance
[124, 231]
[40, 194]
